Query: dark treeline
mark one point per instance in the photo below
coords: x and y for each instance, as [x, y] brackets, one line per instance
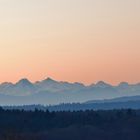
[66, 125]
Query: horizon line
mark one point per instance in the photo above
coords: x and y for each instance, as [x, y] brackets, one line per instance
[94, 83]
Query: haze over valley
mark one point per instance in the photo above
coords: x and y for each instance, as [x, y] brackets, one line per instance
[52, 92]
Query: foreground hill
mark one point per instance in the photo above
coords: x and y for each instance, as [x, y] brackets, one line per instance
[88, 125]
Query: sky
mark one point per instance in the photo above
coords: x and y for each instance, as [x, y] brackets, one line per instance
[70, 40]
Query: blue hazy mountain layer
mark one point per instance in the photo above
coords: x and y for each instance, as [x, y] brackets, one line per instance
[51, 92]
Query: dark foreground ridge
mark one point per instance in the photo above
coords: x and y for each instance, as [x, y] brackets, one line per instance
[66, 125]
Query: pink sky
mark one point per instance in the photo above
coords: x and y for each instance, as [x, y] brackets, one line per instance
[70, 40]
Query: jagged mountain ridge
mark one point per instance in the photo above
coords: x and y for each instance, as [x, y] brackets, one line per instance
[50, 91]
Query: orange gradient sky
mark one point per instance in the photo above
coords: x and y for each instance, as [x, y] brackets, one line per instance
[70, 40]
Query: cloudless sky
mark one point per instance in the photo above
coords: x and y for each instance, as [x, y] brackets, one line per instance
[70, 40]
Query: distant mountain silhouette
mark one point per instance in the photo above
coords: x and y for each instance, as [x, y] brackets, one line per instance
[101, 84]
[24, 83]
[50, 91]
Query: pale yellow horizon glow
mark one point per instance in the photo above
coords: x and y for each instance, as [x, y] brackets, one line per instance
[70, 40]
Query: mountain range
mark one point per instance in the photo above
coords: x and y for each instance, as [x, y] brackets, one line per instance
[50, 91]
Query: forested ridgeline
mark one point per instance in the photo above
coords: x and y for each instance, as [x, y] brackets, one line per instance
[66, 125]
[97, 105]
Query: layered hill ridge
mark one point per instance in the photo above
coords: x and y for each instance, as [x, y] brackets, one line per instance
[50, 91]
